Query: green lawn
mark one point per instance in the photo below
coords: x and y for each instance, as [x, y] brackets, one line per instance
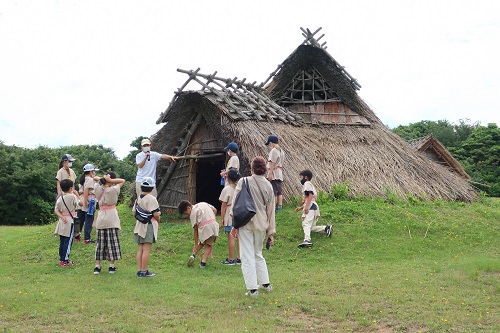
[388, 267]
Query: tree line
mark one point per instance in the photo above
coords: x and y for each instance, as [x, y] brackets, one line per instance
[28, 185]
[476, 147]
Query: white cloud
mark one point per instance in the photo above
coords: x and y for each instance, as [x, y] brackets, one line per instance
[94, 72]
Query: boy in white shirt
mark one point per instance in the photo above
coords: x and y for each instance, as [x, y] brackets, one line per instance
[310, 214]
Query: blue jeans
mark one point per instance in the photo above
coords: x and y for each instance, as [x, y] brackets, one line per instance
[87, 228]
[65, 245]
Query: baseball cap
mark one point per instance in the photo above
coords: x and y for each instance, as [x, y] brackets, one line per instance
[145, 142]
[148, 182]
[272, 138]
[89, 167]
[67, 157]
[232, 146]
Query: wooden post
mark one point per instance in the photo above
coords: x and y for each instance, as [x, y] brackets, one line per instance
[185, 142]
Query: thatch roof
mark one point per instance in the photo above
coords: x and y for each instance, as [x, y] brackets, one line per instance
[434, 150]
[347, 145]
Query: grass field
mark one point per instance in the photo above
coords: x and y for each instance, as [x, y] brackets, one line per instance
[388, 267]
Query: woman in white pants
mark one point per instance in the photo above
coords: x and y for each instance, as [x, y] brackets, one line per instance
[252, 235]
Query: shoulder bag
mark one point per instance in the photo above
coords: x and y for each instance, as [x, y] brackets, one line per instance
[142, 215]
[244, 205]
[64, 202]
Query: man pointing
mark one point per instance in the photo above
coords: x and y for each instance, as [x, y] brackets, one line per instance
[147, 161]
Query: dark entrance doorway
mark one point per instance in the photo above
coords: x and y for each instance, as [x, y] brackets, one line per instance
[208, 185]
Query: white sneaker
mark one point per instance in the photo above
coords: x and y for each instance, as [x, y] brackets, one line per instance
[306, 243]
[328, 231]
[190, 261]
[252, 294]
[269, 288]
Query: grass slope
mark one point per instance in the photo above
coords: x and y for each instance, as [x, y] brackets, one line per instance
[388, 267]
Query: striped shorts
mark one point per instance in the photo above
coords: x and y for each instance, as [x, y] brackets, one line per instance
[108, 245]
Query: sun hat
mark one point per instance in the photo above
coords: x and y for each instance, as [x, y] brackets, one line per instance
[232, 146]
[271, 138]
[67, 157]
[145, 142]
[148, 182]
[89, 167]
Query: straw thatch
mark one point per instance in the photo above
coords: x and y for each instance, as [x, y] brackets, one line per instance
[312, 105]
[434, 150]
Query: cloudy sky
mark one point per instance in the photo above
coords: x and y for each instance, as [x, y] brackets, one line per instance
[101, 72]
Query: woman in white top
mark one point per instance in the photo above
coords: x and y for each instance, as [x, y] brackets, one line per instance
[252, 235]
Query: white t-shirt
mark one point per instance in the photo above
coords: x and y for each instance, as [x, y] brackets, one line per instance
[233, 163]
[149, 168]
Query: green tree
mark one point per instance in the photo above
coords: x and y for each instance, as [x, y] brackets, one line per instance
[28, 184]
[27, 192]
[480, 157]
[450, 135]
[136, 143]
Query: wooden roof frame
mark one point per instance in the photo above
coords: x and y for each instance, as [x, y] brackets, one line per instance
[241, 100]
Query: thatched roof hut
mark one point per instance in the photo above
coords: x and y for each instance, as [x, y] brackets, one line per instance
[434, 150]
[311, 104]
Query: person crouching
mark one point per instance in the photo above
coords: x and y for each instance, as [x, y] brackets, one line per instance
[205, 228]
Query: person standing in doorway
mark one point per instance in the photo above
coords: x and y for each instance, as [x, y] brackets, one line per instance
[147, 161]
[274, 169]
[233, 163]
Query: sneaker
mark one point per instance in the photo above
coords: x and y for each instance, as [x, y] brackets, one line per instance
[77, 239]
[267, 288]
[306, 243]
[149, 274]
[237, 261]
[228, 262]
[141, 274]
[97, 270]
[278, 208]
[112, 270]
[328, 231]
[70, 263]
[203, 264]
[63, 264]
[190, 261]
[252, 293]
[88, 241]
